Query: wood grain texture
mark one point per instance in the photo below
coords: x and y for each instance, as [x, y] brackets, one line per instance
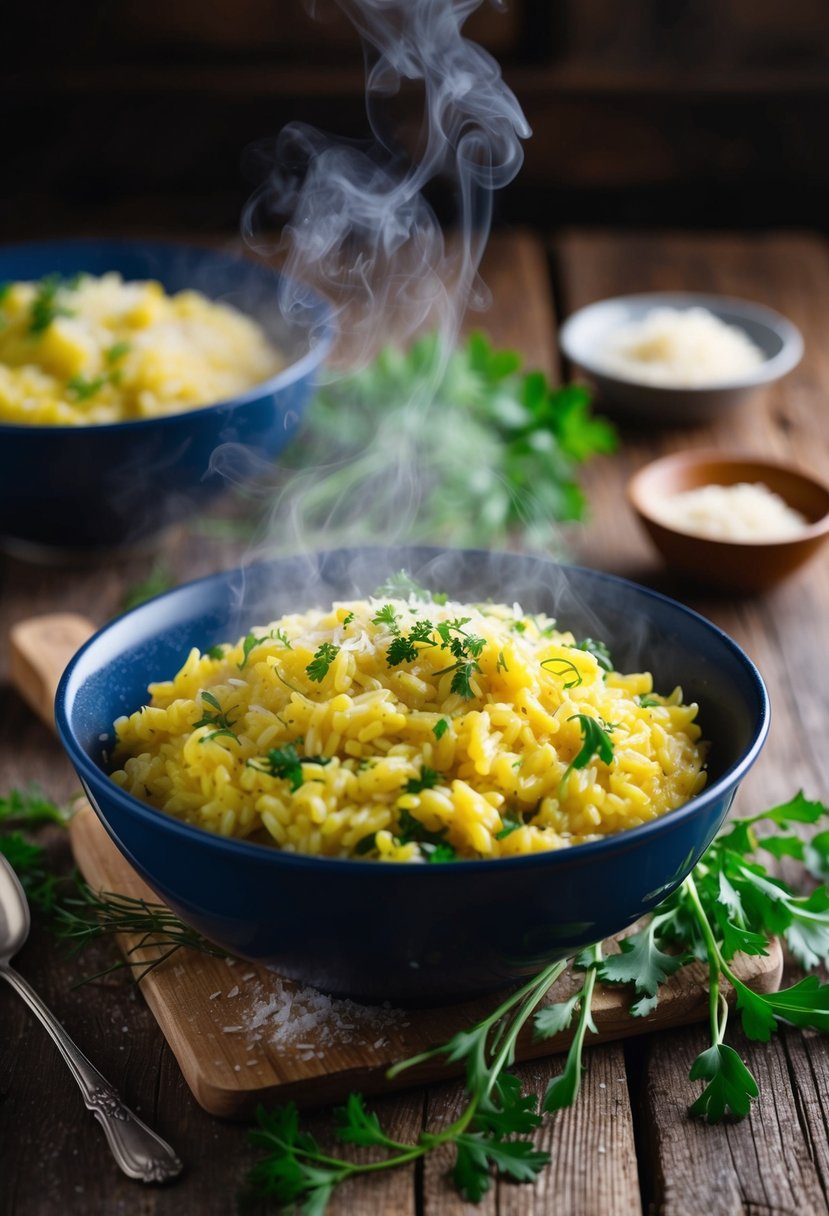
[775, 1161]
[634, 1099]
[208, 1009]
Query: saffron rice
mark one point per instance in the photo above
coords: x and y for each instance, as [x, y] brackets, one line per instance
[379, 758]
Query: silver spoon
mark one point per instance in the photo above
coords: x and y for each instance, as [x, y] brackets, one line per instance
[138, 1150]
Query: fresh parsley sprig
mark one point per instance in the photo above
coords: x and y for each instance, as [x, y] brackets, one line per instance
[506, 464]
[216, 717]
[324, 656]
[596, 741]
[286, 762]
[728, 903]
[731, 904]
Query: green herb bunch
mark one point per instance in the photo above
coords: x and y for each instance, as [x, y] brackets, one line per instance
[462, 448]
[728, 904]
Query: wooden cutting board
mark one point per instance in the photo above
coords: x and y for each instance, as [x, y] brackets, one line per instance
[243, 1035]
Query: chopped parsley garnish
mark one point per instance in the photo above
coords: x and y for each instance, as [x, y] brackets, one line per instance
[82, 388]
[438, 852]
[427, 780]
[253, 640]
[440, 728]
[387, 616]
[648, 702]
[216, 717]
[566, 668]
[597, 742]
[46, 305]
[467, 650]
[287, 763]
[324, 656]
[433, 845]
[501, 665]
[510, 824]
[451, 636]
[598, 650]
[117, 351]
[347, 619]
[216, 652]
[365, 845]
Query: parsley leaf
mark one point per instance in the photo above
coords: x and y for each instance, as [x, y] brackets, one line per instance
[596, 743]
[387, 616]
[287, 763]
[440, 728]
[730, 1085]
[82, 389]
[324, 656]
[427, 780]
[215, 717]
[598, 650]
[47, 305]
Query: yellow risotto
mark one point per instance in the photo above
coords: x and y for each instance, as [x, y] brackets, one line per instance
[95, 350]
[410, 731]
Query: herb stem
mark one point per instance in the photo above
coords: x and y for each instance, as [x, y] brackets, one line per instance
[717, 1017]
[506, 1054]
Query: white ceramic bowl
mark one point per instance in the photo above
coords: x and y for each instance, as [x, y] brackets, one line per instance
[585, 335]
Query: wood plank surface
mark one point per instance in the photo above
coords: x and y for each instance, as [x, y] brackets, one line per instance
[775, 1161]
[628, 1145]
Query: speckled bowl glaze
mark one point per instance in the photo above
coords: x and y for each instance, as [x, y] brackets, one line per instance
[91, 489]
[729, 565]
[584, 334]
[417, 934]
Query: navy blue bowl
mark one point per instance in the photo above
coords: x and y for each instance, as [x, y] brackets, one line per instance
[91, 488]
[412, 933]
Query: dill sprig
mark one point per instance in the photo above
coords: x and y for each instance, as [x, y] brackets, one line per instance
[91, 916]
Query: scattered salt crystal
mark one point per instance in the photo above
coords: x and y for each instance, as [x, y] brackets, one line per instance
[308, 1055]
[381, 1043]
[230, 962]
[251, 1063]
[601, 1149]
[305, 1046]
[214, 995]
[234, 990]
[602, 1085]
[232, 1029]
[238, 1068]
[249, 975]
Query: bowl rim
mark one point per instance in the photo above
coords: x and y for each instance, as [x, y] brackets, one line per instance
[290, 374]
[692, 457]
[769, 370]
[91, 773]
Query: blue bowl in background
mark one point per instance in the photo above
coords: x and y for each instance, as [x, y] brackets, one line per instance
[90, 489]
[414, 934]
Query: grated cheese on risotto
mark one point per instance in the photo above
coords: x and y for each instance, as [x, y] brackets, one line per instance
[98, 350]
[680, 348]
[410, 731]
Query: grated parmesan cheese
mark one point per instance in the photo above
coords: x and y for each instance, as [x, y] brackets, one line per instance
[742, 512]
[680, 348]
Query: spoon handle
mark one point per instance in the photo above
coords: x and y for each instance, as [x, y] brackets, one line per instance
[138, 1150]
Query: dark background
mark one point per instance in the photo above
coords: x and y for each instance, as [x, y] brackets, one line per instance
[132, 115]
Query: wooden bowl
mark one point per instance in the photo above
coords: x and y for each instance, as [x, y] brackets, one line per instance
[743, 566]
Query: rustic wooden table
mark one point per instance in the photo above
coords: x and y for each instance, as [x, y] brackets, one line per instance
[629, 1145]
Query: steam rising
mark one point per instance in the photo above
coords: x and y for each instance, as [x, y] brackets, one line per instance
[357, 225]
[357, 228]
